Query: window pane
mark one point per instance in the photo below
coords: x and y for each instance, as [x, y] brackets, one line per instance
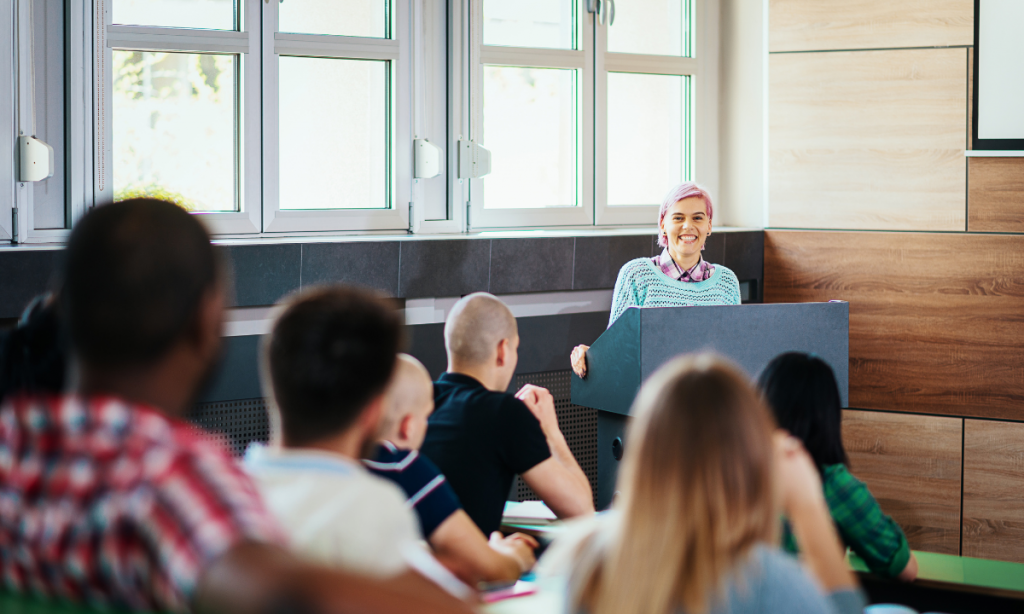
[175, 128]
[531, 127]
[530, 23]
[334, 136]
[201, 14]
[648, 136]
[338, 17]
[654, 27]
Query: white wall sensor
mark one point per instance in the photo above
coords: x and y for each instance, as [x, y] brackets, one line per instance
[35, 159]
[426, 159]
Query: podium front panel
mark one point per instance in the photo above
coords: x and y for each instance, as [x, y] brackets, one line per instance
[749, 335]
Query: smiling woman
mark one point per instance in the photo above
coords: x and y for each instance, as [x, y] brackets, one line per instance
[679, 276]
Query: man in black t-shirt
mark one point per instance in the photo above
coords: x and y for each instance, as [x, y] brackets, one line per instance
[481, 437]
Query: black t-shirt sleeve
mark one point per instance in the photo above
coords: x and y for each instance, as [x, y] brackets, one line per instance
[521, 441]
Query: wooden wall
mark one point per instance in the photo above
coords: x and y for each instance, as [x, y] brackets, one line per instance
[912, 465]
[869, 118]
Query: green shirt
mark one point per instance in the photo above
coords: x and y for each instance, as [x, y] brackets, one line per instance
[871, 534]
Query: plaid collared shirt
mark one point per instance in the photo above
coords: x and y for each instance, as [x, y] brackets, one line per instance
[863, 527]
[116, 505]
[699, 272]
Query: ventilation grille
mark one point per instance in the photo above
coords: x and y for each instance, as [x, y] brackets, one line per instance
[235, 423]
[578, 424]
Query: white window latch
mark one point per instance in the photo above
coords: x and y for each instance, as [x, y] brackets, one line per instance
[426, 159]
[474, 160]
[35, 159]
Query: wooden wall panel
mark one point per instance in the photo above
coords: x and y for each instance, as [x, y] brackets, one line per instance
[912, 466]
[995, 197]
[994, 490]
[814, 25]
[868, 140]
[936, 319]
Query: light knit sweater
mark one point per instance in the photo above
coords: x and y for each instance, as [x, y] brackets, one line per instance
[641, 284]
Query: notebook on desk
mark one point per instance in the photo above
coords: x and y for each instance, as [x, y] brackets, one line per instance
[528, 513]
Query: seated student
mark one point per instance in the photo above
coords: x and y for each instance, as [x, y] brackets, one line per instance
[455, 540]
[695, 526]
[802, 392]
[328, 361]
[480, 437]
[106, 497]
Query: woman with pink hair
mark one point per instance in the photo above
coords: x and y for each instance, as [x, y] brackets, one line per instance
[679, 276]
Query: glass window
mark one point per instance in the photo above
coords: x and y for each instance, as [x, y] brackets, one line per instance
[366, 18]
[334, 136]
[648, 136]
[197, 14]
[530, 23]
[651, 27]
[530, 125]
[175, 128]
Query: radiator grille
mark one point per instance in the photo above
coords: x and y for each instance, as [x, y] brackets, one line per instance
[578, 424]
[238, 423]
[235, 423]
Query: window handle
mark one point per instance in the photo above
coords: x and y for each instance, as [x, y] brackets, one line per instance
[610, 17]
[594, 6]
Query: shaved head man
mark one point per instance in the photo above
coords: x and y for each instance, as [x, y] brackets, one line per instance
[481, 437]
[407, 404]
[455, 540]
[477, 325]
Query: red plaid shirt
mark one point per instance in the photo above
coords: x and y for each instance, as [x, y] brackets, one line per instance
[116, 505]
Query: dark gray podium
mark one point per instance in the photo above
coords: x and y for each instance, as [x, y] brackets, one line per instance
[642, 340]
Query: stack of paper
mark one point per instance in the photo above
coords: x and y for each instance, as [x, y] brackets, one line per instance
[528, 512]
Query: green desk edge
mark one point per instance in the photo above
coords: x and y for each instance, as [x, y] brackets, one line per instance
[20, 604]
[962, 570]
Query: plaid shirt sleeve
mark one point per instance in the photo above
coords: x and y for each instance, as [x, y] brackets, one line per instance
[196, 506]
[870, 533]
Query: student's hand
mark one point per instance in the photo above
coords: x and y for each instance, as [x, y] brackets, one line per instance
[517, 546]
[804, 504]
[797, 478]
[542, 405]
[579, 360]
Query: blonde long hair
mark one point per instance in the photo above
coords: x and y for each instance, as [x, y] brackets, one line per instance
[696, 494]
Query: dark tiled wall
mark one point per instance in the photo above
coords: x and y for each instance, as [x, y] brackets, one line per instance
[416, 268]
[545, 344]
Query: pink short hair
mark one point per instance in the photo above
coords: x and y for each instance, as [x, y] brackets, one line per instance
[687, 189]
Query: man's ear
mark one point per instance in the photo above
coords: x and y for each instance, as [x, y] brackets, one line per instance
[404, 426]
[502, 353]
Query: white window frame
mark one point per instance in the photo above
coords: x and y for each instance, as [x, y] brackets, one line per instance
[639, 64]
[245, 45]
[597, 62]
[582, 60]
[396, 51]
[8, 131]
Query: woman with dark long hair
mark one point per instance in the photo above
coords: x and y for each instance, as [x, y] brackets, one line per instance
[801, 391]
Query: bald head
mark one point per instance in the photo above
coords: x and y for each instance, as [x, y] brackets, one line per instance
[407, 404]
[475, 327]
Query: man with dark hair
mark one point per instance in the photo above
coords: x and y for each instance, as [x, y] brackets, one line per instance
[328, 359]
[106, 496]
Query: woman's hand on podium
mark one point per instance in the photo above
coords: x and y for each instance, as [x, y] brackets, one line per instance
[579, 360]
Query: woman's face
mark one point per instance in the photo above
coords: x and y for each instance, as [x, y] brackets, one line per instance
[686, 226]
